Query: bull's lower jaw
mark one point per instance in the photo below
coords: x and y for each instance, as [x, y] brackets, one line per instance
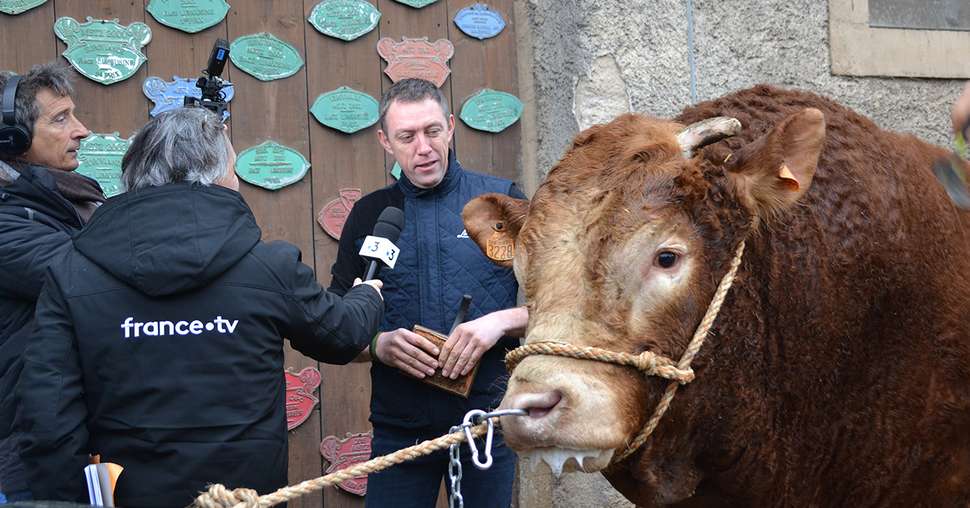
[564, 459]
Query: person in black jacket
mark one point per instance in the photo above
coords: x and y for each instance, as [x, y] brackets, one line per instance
[158, 341]
[42, 202]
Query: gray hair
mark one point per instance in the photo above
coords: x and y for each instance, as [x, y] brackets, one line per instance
[411, 90]
[182, 145]
[53, 76]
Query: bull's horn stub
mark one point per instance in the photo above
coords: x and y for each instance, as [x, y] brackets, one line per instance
[705, 132]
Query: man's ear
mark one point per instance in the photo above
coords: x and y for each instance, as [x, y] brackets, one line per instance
[776, 170]
[386, 143]
[493, 221]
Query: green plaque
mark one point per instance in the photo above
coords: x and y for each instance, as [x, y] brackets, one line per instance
[18, 6]
[271, 165]
[103, 50]
[417, 4]
[188, 15]
[344, 19]
[265, 57]
[491, 110]
[346, 110]
[100, 158]
[396, 171]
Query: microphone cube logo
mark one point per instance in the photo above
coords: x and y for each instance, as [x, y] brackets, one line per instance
[376, 247]
[135, 329]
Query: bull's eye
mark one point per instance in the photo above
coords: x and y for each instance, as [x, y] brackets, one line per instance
[667, 259]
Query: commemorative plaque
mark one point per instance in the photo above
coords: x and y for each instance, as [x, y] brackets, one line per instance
[14, 7]
[417, 4]
[103, 50]
[265, 57]
[188, 15]
[300, 398]
[491, 110]
[416, 58]
[100, 158]
[271, 165]
[345, 109]
[344, 19]
[334, 214]
[169, 95]
[344, 453]
[480, 21]
[396, 171]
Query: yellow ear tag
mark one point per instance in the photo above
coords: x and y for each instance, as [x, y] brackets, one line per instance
[500, 246]
[788, 179]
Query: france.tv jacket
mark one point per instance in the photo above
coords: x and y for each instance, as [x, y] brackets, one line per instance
[159, 346]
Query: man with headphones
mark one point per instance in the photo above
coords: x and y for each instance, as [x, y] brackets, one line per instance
[42, 203]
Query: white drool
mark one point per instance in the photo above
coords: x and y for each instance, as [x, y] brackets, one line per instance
[557, 458]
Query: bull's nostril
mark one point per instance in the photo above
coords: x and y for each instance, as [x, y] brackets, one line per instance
[538, 404]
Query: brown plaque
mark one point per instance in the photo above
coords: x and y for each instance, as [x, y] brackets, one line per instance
[334, 214]
[416, 58]
[461, 386]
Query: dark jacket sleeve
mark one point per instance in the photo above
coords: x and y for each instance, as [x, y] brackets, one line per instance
[349, 265]
[53, 413]
[325, 326]
[27, 247]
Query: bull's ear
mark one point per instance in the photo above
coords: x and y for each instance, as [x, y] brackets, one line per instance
[493, 221]
[776, 170]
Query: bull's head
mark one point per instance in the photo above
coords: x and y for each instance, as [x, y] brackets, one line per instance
[621, 249]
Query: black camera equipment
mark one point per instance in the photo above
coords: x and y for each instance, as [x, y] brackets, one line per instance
[211, 82]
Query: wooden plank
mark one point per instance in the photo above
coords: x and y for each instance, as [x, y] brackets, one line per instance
[118, 107]
[35, 26]
[490, 63]
[342, 161]
[276, 110]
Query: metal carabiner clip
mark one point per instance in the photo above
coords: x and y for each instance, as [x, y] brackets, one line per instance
[474, 417]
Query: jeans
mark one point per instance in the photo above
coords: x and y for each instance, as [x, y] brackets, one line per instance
[415, 484]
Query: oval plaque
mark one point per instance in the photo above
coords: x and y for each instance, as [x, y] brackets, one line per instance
[491, 110]
[417, 4]
[480, 22]
[271, 165]
[265, 57]
[169, 95]
[416, 58]
[188, 15]
[14, 7]
[334, 214]
[344, 19]
[100, 158]
[345, 109]
[103, 50]
[300, 398]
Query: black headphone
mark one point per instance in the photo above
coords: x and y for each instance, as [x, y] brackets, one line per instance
[14, 139]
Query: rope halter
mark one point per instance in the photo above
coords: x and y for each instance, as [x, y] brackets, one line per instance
[649, 363]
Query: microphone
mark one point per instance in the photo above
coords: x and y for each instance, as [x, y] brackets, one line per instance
[380, 246]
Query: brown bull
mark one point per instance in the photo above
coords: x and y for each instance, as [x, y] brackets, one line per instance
[838, 370]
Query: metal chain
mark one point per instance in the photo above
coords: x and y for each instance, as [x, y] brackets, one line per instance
[454, 473]
[472, 418]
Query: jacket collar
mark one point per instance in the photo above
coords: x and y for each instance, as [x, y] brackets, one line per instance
[452, 176]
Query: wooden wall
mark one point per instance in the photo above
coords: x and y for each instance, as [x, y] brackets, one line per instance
[278, 110]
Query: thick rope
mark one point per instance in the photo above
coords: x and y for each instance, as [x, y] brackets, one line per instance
[219, 496]
[649, 363]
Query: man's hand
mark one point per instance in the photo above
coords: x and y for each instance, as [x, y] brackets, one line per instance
[374, 283]
[961, 110]
[408, 352]
[469, 341]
